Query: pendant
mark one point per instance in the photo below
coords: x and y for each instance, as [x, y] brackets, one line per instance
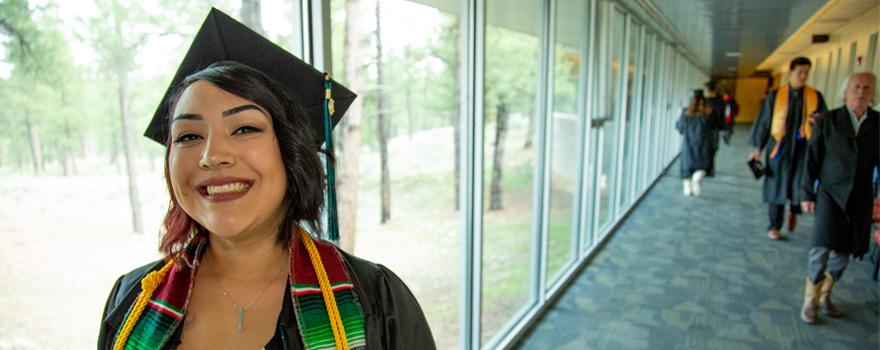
[240, 319]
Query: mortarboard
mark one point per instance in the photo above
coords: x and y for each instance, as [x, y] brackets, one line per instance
[222, 38]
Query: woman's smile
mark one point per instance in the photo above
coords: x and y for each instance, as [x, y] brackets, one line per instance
[222, 189]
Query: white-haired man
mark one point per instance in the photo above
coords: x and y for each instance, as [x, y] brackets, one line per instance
[842, 156]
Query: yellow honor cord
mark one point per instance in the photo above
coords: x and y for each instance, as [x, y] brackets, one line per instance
[148, 286]
[326, 292]
[811, 105]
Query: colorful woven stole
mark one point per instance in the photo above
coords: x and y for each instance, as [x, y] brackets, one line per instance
[161, 305]
[164, 296]
[780, 114]
[309, 302]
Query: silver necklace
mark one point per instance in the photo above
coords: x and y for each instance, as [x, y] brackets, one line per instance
[241, 309]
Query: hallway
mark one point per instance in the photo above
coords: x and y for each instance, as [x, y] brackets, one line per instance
[700, 273]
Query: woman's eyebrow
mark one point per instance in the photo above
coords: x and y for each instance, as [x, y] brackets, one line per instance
[226, 113]
[241, 109]
[187, 116]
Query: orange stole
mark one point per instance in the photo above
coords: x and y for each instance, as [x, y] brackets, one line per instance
[780, 113]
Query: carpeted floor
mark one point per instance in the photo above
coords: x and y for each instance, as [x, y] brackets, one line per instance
[700, 273]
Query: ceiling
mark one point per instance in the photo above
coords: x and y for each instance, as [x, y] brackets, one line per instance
[719, 30]
[827, 20]
[726, 38]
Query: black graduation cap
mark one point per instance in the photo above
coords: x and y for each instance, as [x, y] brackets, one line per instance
[222, 38]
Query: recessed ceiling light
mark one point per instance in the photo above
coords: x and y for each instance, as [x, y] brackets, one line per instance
[733, 54]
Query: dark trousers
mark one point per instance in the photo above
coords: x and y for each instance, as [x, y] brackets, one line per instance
[822, 259]
[727, 135]
[776, 214]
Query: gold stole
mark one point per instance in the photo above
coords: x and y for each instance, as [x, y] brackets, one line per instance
[780, 113]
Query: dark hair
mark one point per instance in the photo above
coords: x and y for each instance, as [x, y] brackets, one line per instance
[800, 61]
[304, 197]
[710, 85]
[698, 105]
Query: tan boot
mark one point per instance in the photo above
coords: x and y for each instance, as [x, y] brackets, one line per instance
[825, 304]
[774, 235]
[811, 301]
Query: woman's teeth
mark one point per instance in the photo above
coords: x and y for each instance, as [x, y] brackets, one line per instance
[231, 187]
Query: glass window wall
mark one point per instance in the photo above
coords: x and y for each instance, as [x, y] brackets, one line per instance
[605, 120]
[630, 114]
[510, 122]
[564, 139]
[645, 116]
[397, 151]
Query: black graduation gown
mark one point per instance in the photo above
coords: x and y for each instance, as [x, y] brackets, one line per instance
[844, 165]
[717, 105]
[784, 174]
[697, 147]
[394, 319]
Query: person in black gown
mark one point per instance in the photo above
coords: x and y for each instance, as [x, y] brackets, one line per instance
[242, 123]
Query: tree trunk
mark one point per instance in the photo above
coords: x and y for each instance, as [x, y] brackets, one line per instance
[382, 122]
[356, 44]
[128, 146]
[250, 15]
[120, 69]
[67, 154]
[531, 134]
[408, 64]
[114, 151]
[495, 202]
[34, 142]
[456, 109]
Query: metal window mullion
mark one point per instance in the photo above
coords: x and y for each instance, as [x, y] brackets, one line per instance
[317, 44]
[667, 84]
[655, 104]
[649, 112]
[585, 179]
[676, 107]
[619, 152]
[604, 71]
[648, 109]
[543, 153]
[471, 170]
[637, 120]
[670, 101]
[673, 85]
[659, 106]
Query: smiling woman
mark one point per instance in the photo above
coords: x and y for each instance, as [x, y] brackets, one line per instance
[246, 183]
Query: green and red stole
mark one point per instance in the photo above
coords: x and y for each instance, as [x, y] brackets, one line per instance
[165, 309]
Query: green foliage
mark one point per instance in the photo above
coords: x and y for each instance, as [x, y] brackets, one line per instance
[565, 80]
[420, 86]
[511, 71]
[42, 87]
[74, 108]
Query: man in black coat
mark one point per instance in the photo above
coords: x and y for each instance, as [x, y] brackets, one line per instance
[782, 128]
[842, 156]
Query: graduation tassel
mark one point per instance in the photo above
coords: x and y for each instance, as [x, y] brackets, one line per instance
[332, 219]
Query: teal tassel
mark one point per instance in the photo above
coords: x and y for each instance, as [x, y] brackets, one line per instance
[332, 218]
